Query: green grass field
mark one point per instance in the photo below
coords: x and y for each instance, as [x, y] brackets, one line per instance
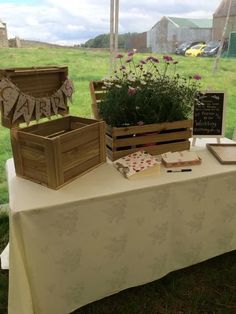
[91, 65]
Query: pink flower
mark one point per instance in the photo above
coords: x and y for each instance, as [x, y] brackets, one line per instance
[155, 60]
[140, 123]
[168, 58]
[142, 62]
[131, 91]
[130, 54]
[197, 77]
[119, 56]
[129, 60]
[149, 58]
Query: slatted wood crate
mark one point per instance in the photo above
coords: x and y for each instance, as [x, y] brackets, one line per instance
[154, 138]
[55, 152]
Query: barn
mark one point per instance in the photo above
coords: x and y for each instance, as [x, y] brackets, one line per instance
[3, 35]
[219, 18]
[169, 32]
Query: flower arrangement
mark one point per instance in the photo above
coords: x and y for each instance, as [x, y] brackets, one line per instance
[147, 92]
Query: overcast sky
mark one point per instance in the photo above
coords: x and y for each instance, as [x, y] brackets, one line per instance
[75, 21]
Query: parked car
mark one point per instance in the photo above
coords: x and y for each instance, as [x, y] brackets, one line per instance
[195, 51]
[181, 49]
[211, 49]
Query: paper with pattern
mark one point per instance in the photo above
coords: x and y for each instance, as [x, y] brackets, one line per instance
[68, 88]
[57, 101]
[43, 108]
[136, 163]
[24, 107]
[18, 103]
[8, 95]
[180, 159]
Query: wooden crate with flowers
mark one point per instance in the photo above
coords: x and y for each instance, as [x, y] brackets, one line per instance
[53, 152]
[145, 105]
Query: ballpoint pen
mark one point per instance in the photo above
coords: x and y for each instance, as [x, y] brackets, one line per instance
[181, 170]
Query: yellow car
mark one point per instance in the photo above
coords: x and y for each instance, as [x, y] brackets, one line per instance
[195, 51]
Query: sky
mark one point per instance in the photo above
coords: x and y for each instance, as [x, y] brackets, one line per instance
[72, 22]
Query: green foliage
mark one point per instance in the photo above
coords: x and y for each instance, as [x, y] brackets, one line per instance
[103, 41]
[146, 93]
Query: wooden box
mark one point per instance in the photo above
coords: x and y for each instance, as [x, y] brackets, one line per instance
[55, 152]
[154, 138]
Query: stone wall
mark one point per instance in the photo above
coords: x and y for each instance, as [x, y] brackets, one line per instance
[3, 36]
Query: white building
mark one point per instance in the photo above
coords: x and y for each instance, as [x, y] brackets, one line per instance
[169, 32]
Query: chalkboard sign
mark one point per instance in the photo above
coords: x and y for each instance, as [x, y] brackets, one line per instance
[209, 115]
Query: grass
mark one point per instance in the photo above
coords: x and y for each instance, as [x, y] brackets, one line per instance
[206, 288]
[85, 65]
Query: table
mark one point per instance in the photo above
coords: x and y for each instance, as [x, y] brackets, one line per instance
[103, 233]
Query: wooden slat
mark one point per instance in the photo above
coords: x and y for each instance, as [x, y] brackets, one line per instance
[38, 165]
[16, 152]
[48, 127]
[92, 86]
[83, 120]
[52, 170]
[79, 137]
[99, 95]
[80, 154]
[110, 141]
[154, 150]
[148, 128]
[35, 176]
[33, 138]
[151, 138]
[31, 153]
[76, 125]
[102, 143]
[88, 165]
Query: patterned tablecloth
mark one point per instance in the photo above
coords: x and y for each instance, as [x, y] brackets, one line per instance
[103, 233]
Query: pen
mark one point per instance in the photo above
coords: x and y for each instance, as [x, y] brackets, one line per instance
[181, 170]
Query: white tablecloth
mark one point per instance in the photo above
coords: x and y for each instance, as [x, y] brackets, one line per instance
[103, 233]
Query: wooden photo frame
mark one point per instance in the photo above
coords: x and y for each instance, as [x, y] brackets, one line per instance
[225, 153]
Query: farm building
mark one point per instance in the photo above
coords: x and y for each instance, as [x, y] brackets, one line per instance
[3, 35]
[219, 18]
[137, 41]
[169, 32]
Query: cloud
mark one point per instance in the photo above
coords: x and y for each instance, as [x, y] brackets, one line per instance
[73, 22]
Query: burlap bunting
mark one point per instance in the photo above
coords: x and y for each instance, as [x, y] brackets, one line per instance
[16, 102]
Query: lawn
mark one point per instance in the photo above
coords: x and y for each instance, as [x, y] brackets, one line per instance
[91, 65]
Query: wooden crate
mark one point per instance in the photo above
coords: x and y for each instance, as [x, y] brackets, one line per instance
[154, 138]
[55, 152]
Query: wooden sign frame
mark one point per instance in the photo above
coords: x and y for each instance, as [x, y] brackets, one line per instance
[222, 133]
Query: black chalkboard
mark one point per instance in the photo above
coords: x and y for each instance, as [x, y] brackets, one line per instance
[208, 118]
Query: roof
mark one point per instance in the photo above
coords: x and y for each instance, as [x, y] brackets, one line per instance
[2, 25]
[222, 9]
[193, 23]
